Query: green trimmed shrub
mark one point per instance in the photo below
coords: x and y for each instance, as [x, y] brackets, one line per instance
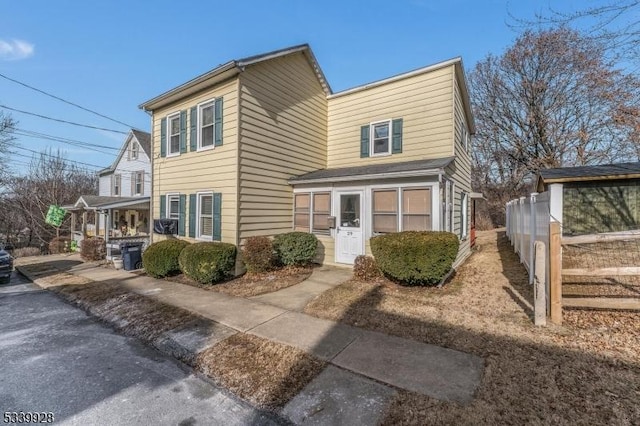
[208, 263]
[59, 245]
[365, 268]
[161, 259]
[258, 254]
[93, 248]
[295, 248]
[415, 258]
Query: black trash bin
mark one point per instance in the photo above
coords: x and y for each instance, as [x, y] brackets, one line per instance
[131, 256]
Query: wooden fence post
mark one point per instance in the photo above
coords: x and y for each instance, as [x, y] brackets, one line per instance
[540, 286]
[555, 272]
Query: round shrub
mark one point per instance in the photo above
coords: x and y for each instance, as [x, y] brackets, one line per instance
[208, 263]
[295, 248]
[258, 254]
[59, 245]
[161, 259]
[415, 258]
[365, 268]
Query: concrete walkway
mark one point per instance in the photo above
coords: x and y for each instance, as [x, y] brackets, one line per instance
[296, 297]
[426, 369]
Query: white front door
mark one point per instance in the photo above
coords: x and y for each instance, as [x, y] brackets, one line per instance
[349, 243]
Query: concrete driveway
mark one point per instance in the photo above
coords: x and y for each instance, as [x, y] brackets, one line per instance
[54, 358]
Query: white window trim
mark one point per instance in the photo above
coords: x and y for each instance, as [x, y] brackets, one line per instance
[136, 174]
[199, 195]
[464, 215]
[400, 212]
[115, 176]
[371, 138]
[134, 153]
[200, 106]
[167, 207]
[168, 130]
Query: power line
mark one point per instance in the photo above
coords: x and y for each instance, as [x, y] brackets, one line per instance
[62, 121]
[53, 156]
[63, 139]
[66, 102]
[44, 137]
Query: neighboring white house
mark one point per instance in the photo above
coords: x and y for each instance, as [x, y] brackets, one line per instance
[120, 211]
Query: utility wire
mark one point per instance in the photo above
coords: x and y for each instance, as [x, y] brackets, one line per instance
[67, 102]
[62, 121]
[65, 140]
[53, 156]
[87, 147]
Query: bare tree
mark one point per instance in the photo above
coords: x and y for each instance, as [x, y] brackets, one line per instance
[614, 23]
[50, 180]
[552, 99]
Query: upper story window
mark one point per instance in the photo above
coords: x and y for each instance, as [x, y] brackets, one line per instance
[138, 183]
[380, 140]
[206, 124]
[116, 185]
[135, 148]
[173, 131]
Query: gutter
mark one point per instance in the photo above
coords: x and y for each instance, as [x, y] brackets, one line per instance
[391, 175]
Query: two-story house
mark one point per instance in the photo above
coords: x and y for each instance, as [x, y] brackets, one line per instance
[261, 146]
[120, 211]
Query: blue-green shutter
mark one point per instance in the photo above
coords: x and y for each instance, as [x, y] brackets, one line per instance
[217, 216]
[163, 207]
[193, 138]
[218, 121]
[183, 131]
[163, 137]
[396, 147]
[364, 141]
[182, 216]
[192, 215]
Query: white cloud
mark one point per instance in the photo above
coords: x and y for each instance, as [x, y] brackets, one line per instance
[15, 50]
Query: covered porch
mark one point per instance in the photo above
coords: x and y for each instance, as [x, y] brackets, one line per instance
[117, 220]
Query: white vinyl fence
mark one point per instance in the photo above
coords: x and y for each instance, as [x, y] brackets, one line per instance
[528, 221]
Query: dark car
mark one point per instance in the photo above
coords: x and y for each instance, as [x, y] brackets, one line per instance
[6, 266]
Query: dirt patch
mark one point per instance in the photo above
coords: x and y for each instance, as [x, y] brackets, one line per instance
[254, 284]
[586, 372]
[264, 372]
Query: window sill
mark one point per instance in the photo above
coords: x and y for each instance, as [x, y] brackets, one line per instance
[175, 154]
[205, 148]
[381, 154]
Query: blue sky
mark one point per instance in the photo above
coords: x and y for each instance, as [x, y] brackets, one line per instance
[111, 56]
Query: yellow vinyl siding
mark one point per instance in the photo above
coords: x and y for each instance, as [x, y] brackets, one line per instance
[210, 170]
[423, 101]
[283, 133]
[461, 173]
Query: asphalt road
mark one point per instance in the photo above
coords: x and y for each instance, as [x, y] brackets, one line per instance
[54, 358]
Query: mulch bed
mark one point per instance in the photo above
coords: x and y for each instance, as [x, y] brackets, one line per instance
[253, 284]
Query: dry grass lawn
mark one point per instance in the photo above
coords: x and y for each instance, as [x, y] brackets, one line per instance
[264, 372]
[585, 372]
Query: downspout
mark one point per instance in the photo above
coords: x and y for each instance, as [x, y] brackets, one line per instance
[153, 175]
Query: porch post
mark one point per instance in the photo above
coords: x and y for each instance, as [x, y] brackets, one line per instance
[96, 222]
[107, 227]
[74, 219]
[84, 223]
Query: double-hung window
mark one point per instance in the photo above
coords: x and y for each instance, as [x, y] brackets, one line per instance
[385, 210]
[206, 124]
[173, 206]
[412, 212]
[173, 130]
[205, 216]
[380, 138]
[138, 183]
[116, 185]
[135, 147]
[311, 211]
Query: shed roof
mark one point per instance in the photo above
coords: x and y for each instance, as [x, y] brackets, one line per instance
[404, 169]
[590, 173]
